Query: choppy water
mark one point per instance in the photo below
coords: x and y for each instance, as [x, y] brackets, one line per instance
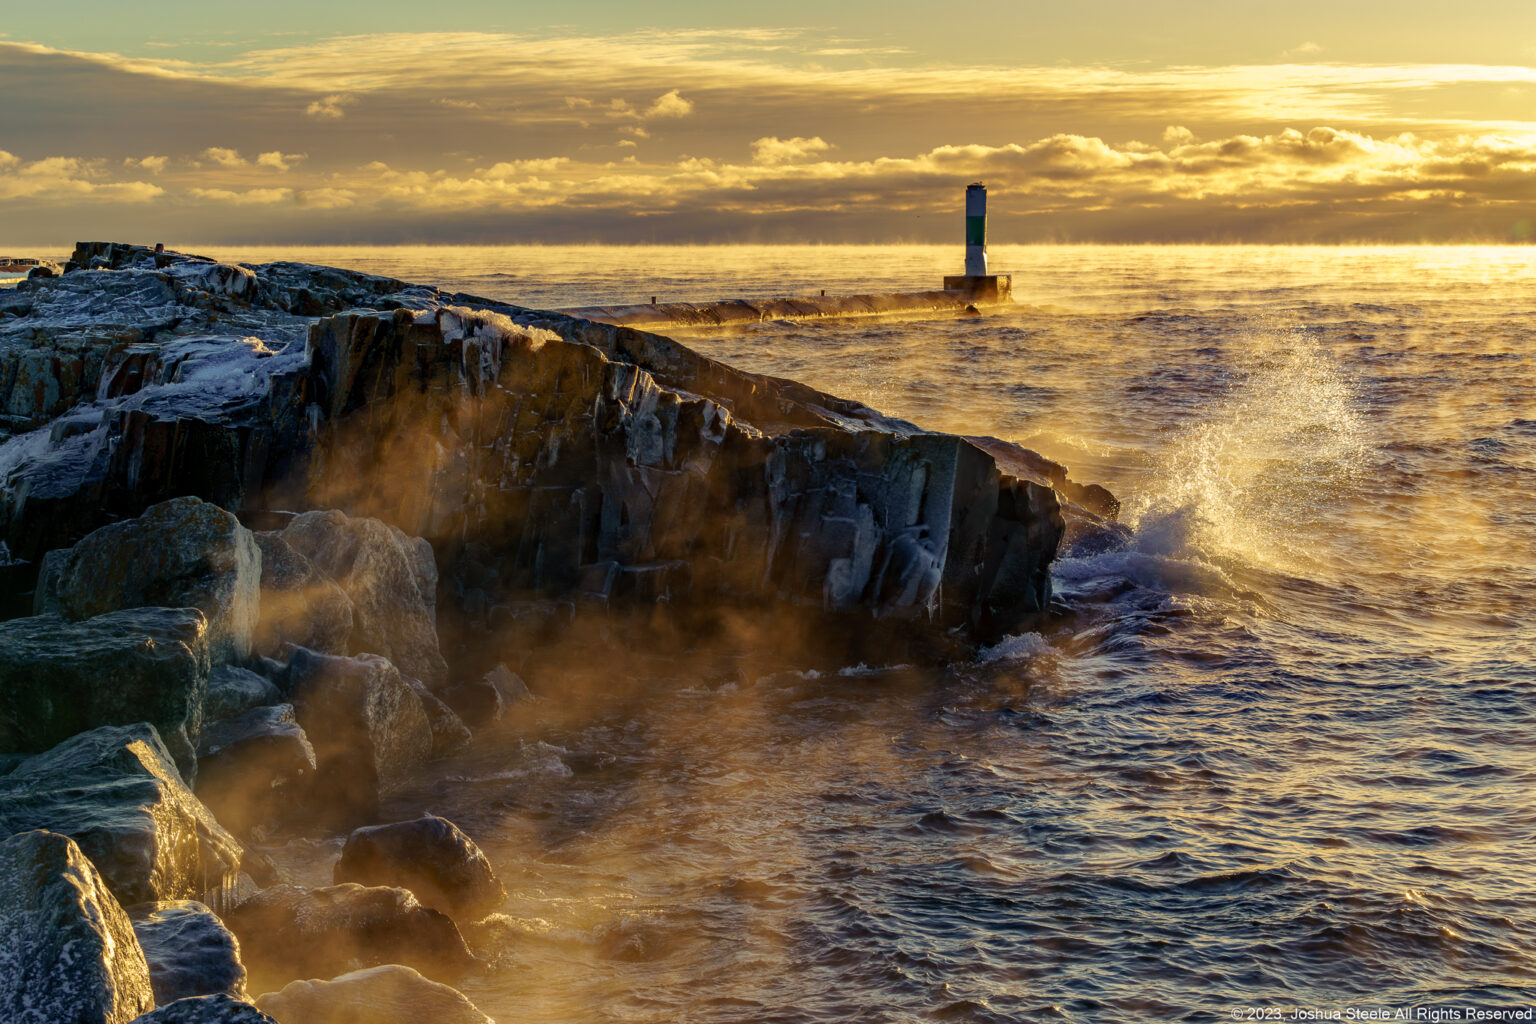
[1283, 757]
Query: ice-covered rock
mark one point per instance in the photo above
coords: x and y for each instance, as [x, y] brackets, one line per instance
[387, 994]
[182, 553]
[189, 951]
[431, 857]
[58, 678]
[67, 950]
[290, 931]
[214, 1009]
[116, 793]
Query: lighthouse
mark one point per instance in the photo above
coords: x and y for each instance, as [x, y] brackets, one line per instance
[976, 230]
[979, 285]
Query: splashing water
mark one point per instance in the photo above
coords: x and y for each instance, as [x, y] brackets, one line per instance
[1261, 469]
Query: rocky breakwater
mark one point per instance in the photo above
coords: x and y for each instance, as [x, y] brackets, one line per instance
[242, 510]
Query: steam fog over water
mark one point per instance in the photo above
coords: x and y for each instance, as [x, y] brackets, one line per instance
[1282, 752]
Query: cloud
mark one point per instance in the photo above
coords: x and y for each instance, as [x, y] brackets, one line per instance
[1307, 49]
[669, 104]
[247, 197]
[332, 107]
[229, 158]
[67, 179]
[153, 164]
[279, 161]
[770, 149]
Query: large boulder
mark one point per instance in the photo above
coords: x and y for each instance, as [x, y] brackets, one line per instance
[429, 856]
[391, 580]
[182, 553]
[59, 678]
[387, 994]
[252, 769]
[300, 605]
[290, 931]
[367, 726]
[67, 950]
[482, 702]
[214, 1009]
[115, 792]
[189, 951]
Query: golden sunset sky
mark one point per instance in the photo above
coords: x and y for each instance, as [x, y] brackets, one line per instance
[332, 122]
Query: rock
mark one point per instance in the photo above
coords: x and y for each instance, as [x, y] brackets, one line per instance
[449, 733]
[429, 856]
[481, 702]
[367, 725]
[387, 994]
[67, 950]
[182, 553]
[115, 792]
[300, 605]
[580, 474]
[189, 951]
[252, 769]
[59, 678]
[214, 1009]
[391, 580]
[233, 690]
[289, 931]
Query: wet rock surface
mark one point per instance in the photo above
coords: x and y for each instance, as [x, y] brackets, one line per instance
[287, 931]
[214, 1009]
[388, 994]
[67, 949]
[368, 728]
[429, 856]
[182, 553]
[253, 769]
[391, 581]
[117, 794]
[189, 951]
[59, 677]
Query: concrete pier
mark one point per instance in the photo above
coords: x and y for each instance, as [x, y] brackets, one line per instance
[657, 316]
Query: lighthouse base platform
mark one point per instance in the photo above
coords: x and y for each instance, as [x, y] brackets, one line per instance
[982, 287]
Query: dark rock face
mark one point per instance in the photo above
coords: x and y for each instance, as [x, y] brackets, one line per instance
[67, 950]
[289, 931]
[583, 475]
[367, 726]
[189, 951]
[545, 458]
[233, 690]
[252, 769]
[214, 1009]
[449, 733]
[388, 994]
[481, 702]
[182, 553]
[117, 794]
[429, 856]
[300, 605]
[58, 678]
[391, 580]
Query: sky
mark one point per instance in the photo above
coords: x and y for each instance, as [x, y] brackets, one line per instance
[689, 122]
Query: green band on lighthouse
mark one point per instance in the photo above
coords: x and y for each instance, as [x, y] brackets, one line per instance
[976, 230]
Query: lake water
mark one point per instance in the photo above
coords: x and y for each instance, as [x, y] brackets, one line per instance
[1282, 755]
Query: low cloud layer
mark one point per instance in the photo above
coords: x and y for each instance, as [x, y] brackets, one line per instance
[721, 137]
